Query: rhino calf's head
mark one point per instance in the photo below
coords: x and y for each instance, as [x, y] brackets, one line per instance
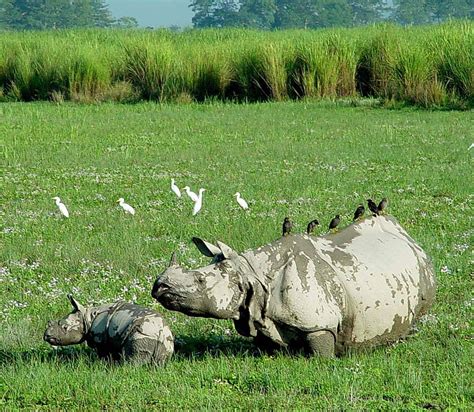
[69, 330]
[214, 291]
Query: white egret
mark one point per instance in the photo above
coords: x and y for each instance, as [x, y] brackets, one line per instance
[198, 203]
[61, 206]
[175, 188]
[126, 207]
[242, 203]
[471, 146]
[193, 196]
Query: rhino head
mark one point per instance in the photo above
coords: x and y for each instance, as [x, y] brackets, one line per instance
[69, 330]
[215, 291]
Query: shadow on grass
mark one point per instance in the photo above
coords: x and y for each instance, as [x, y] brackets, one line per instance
[44, 354]
[186, 347]
[197, 347]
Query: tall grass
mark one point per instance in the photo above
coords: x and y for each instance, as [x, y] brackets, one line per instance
[454, 59]
[260, 73]
[428, 66]
[324, 68]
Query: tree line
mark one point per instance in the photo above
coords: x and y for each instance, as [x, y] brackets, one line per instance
[284, 14]
[58, 14]
[261, 14]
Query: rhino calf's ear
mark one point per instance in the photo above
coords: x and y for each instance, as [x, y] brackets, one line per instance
[75, 304]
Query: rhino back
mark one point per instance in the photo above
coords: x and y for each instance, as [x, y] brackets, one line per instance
[121, 322]
[367, 283]
[388, 278]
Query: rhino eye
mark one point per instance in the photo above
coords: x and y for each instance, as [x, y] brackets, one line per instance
[200, 278]
[223, 265]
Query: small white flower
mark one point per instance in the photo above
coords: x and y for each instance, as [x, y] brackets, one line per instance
[429, 318]
[461, 248]
[445, 269]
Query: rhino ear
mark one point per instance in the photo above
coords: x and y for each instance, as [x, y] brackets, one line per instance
[226, 251]
[206, 248]
[75, 304]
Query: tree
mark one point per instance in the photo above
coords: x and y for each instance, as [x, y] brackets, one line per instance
[258, 13]
[445, 9]
[202, 12]
[53, 14]
[411, 12]
[18, 13]
[227, 14]
[334, 13]
[312, 13]
[215, 13]
[101, 16]
[126, 22]
[296, 13]
[6, 13]
[366, 11]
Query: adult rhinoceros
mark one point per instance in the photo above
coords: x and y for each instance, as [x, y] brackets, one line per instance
[361, 287]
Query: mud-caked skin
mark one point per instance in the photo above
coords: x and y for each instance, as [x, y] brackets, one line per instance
[361, 287]
[120, 331]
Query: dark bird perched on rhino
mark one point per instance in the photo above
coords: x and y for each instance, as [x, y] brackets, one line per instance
[121, 331]
[287, 226]
[359, 212]
[334, 222]
[382, 205]
[361, 287]
[311, 226]
[373, 207]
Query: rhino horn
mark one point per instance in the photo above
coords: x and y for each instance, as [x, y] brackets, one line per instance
[226, 251]
[173, 260]
[75, 304]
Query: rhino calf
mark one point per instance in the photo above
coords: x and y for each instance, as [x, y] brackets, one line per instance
[121, 331]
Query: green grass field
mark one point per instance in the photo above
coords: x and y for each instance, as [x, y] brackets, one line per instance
[300, 159]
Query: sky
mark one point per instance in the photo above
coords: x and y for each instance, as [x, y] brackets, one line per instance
[154, 13]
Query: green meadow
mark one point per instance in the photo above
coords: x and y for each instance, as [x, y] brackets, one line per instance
[302, 159]
[428, 66]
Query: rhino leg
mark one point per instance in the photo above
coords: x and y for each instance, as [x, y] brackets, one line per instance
[321, 343]
[106, 354]
[141, 350]
[265, 344]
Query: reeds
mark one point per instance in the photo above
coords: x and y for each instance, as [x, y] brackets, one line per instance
[427, 66]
